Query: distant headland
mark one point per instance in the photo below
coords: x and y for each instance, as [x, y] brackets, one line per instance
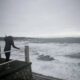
[47, 40]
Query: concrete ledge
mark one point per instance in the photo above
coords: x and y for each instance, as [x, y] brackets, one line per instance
[16, 70]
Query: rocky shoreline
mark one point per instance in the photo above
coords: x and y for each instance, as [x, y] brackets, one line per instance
[74, 56]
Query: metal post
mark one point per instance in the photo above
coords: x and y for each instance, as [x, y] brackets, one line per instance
[27, 53]
[0, 51]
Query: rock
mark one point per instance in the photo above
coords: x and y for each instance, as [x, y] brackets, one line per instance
[45, 58]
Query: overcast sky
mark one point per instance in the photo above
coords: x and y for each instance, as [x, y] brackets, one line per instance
[40, 18]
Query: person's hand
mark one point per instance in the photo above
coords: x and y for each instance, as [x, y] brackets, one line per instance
[18, 48]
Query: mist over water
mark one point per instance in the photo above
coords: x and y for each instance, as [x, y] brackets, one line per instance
[64, 67]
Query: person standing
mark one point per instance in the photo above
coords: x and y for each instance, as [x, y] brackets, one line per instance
[8, 43]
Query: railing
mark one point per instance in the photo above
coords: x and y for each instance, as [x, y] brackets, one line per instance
[26, 51]
[0, 51]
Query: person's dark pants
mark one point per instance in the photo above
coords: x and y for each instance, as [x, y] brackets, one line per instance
[7, 54]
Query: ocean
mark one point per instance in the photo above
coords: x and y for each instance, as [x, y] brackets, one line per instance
[61, 60]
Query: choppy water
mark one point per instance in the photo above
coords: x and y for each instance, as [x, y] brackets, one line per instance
[63, 67]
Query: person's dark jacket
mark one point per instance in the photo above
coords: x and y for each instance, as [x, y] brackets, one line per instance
[8, 43]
